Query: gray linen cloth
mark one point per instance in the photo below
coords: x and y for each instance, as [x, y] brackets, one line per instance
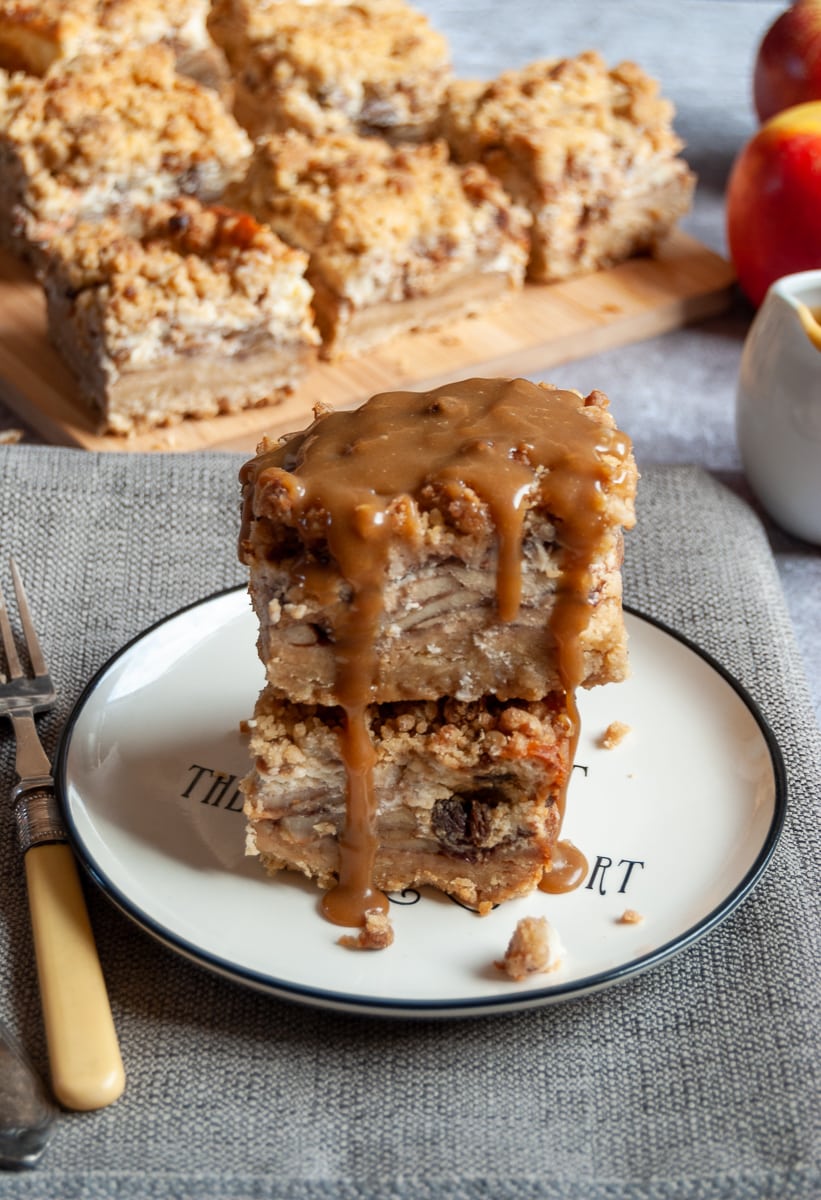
[695, 1081]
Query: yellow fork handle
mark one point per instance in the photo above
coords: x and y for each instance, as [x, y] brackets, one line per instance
[84, 1054]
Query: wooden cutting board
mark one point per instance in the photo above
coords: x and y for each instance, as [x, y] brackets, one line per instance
[542, 326]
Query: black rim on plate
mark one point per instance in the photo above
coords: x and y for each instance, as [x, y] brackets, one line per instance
[384, 1006]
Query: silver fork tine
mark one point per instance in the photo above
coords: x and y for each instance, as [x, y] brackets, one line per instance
[38, 662]
[12, 660]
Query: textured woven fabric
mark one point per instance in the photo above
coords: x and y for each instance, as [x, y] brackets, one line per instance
[695, 1081]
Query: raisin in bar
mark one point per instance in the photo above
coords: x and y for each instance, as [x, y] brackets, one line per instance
[589, 150]
[375, 66]
[434, 575]
[179, 309]
[97, 132]
[399, 238]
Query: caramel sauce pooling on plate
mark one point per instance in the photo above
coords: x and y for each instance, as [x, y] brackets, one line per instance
[509, 442]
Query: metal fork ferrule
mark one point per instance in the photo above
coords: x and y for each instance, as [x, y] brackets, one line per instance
[37, 814]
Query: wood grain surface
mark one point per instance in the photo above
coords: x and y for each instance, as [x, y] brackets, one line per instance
[542, 326]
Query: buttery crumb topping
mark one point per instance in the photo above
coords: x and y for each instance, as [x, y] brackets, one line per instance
[179, 271]
[533, 948]
[385, 41]
[542, 108]
[373, 215]
[34, 35]
[330, 66]
[96, 130]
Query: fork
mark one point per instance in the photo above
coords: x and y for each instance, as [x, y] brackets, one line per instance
[84, 1054]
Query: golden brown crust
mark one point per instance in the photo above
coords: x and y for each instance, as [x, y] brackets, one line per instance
[382, 223]
[590, 150]
[168, 284]
[322, 67]
[465, 792]
[98, 131]
[576, 97]
[33, 36]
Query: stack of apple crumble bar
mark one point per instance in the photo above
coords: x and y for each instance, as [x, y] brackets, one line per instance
[434, 575]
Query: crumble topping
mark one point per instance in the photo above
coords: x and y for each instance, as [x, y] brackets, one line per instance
[178, 275]
[332, 66]
[35, 35]
[375, 934]
[457, 734]
[614, 735]
[378, 220]
[96, 131]
[543, 110]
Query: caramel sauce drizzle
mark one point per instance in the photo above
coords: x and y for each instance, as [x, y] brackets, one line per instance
[509, 444]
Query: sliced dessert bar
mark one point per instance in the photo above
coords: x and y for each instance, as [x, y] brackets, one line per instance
[375, 66]
[438, 631]
[178, 309]
[589, 150]
[434, 575]
[466, 794]
[96, 132]
[399, 238]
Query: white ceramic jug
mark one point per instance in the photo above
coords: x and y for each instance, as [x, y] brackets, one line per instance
[778, 404]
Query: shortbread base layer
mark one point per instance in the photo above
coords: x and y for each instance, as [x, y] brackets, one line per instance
[142, 398]
[502, 876]
[346, 329]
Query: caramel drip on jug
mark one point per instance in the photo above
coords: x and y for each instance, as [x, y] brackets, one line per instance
[354, 479]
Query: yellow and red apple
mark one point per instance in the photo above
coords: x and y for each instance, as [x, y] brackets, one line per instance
[774, 200]
[788, 64]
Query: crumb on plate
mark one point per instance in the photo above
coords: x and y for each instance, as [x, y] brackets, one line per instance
[375, 934]
[630, 917]
[614, 735]
[533, 948]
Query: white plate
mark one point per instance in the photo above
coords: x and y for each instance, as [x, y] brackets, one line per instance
[678, 822]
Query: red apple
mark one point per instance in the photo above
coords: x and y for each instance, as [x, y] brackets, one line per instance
[788, 64]
[774, 200]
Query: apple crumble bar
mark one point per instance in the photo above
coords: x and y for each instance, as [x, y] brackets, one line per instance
[179, 309]
[589, 150]
[434, 574]
[399, 238]
[96, 132]
[375, 66]
[438, 632]
[465, 793]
